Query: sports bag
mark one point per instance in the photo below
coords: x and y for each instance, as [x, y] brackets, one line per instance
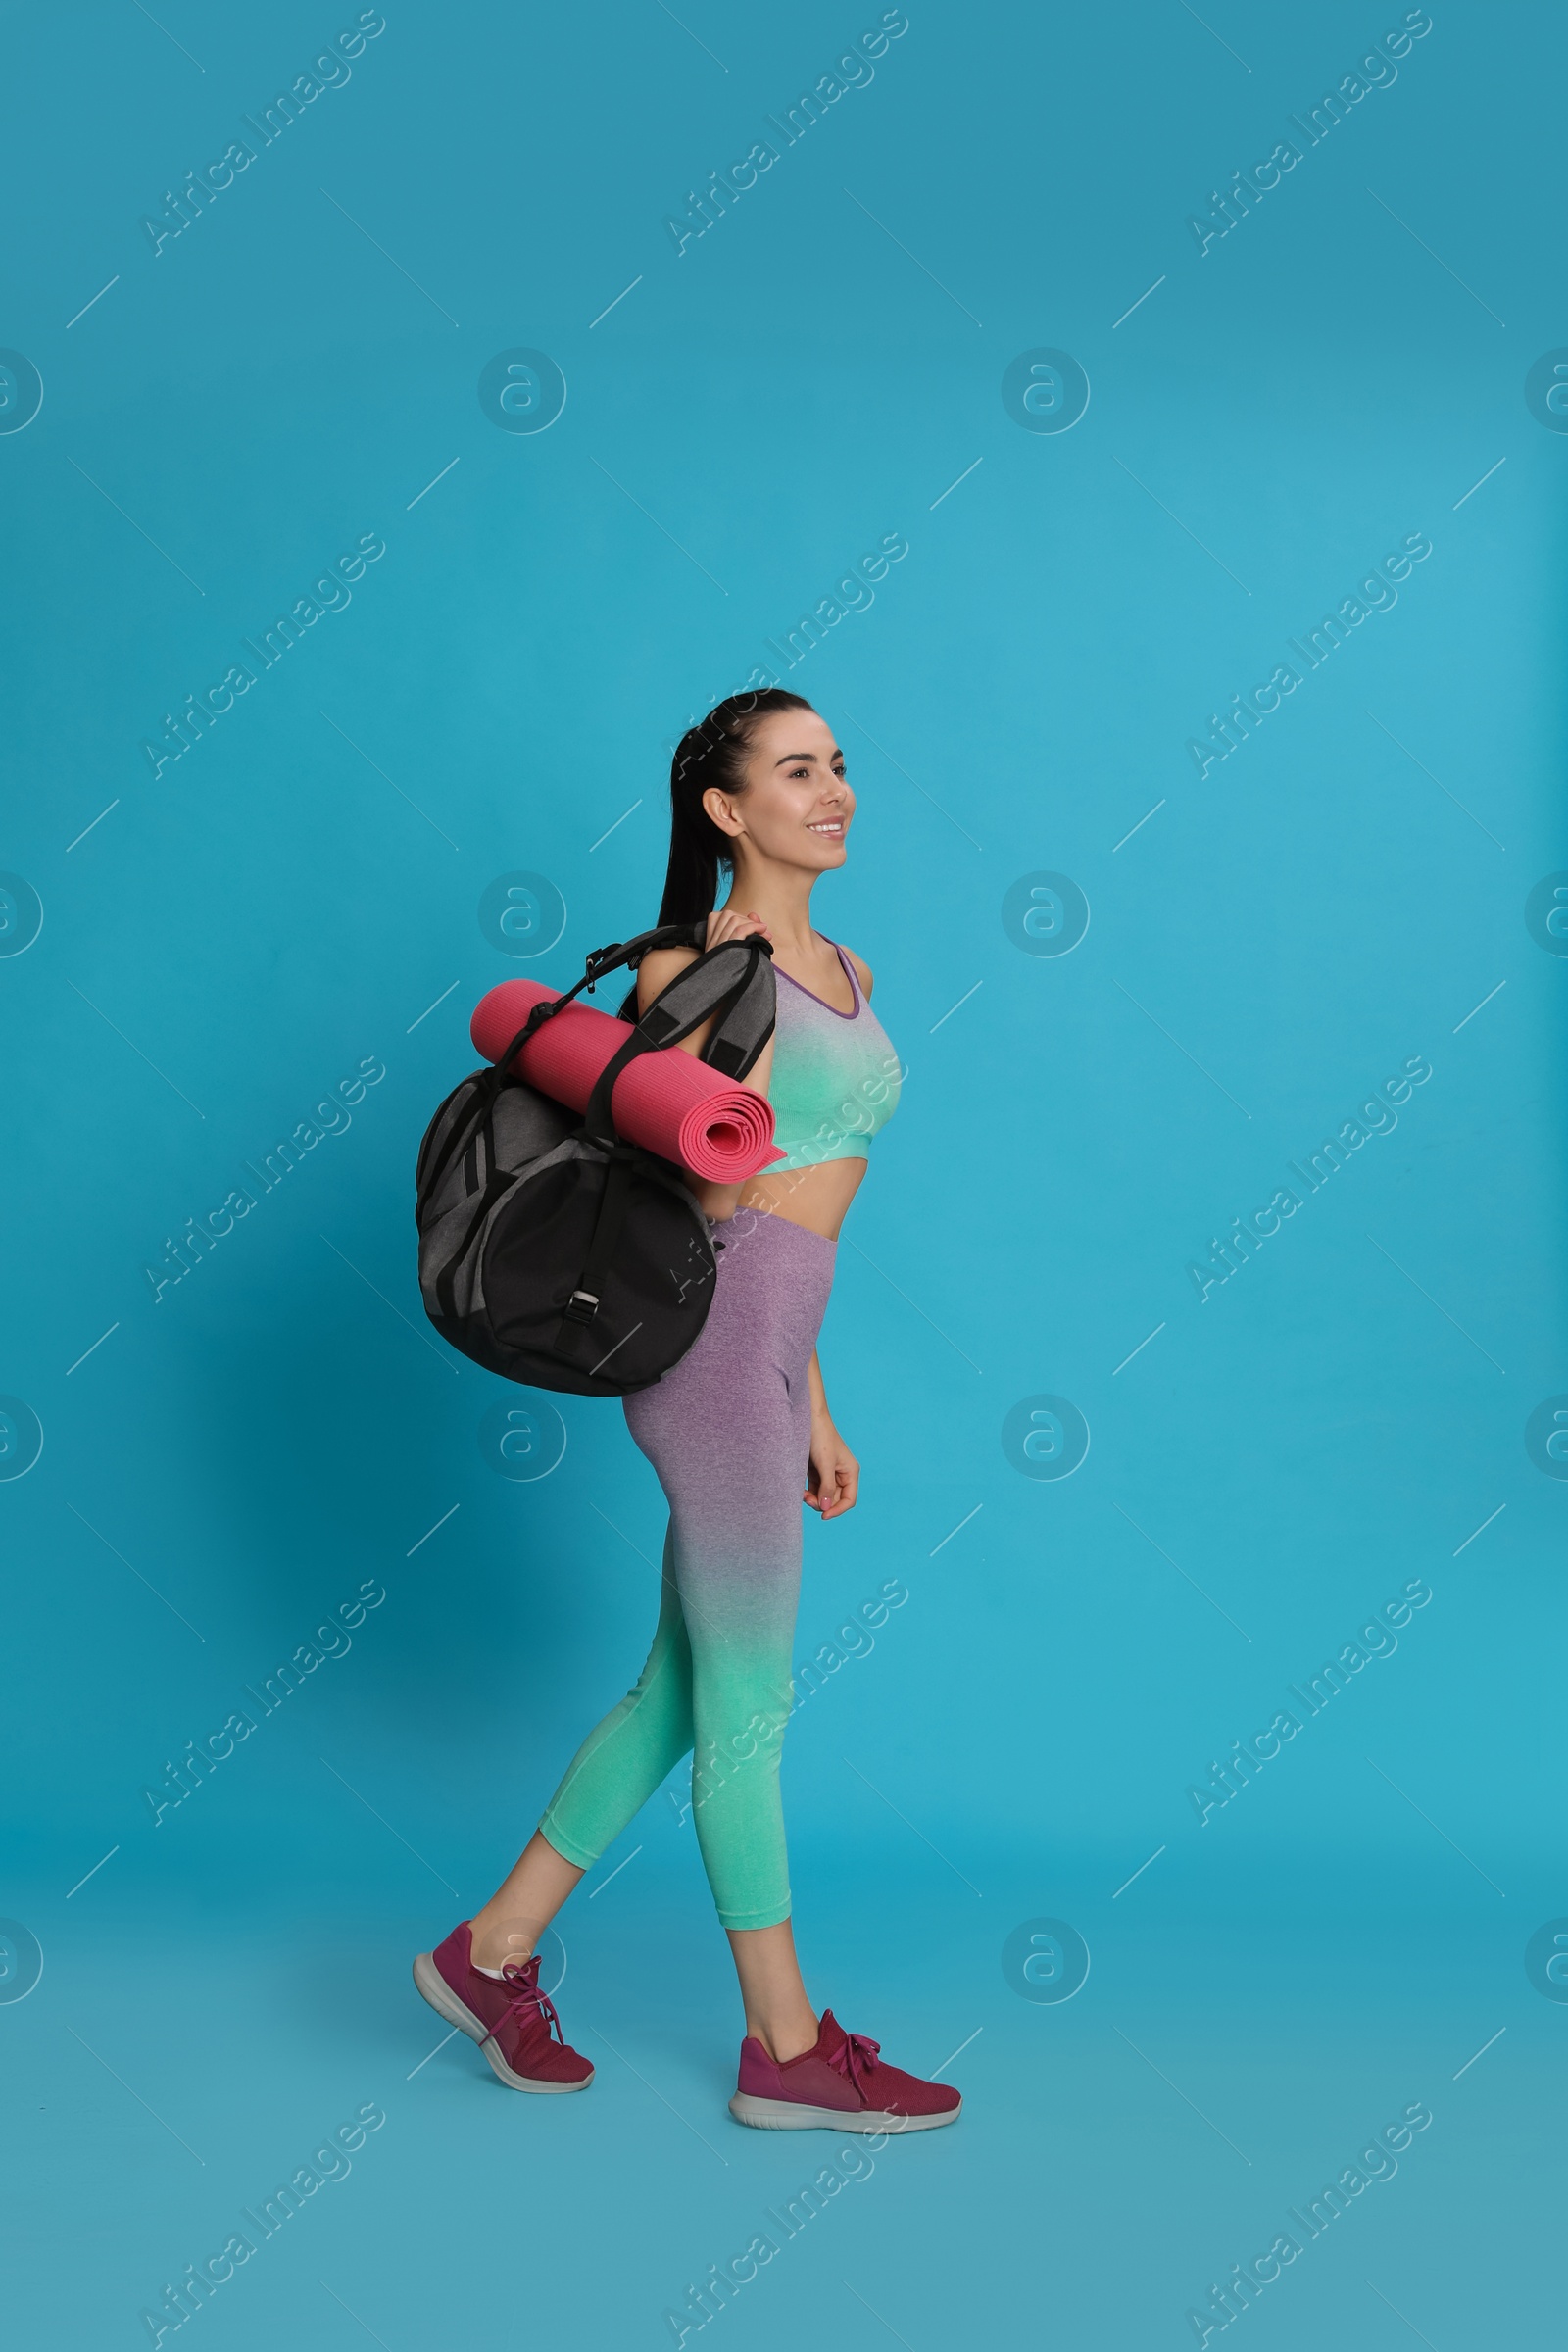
[552, 1249]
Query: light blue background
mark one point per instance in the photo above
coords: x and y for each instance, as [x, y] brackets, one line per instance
[228, 942]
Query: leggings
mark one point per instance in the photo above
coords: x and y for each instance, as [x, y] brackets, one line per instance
[728, 1431]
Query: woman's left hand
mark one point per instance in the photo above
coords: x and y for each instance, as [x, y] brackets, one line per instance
[834, 1476]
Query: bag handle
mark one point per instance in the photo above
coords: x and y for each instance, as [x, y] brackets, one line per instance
[600, 961]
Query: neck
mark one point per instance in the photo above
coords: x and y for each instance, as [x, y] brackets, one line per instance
[781, 896]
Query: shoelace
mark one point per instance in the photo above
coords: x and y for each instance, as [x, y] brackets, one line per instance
[526, 1996]
[856, 2054]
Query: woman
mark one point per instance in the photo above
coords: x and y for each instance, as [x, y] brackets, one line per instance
[760, 790]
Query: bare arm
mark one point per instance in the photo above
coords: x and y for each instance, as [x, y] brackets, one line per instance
[834, 1476]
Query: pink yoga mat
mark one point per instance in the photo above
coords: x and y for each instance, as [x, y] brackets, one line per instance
[666, 1101]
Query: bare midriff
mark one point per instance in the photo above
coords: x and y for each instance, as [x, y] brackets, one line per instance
[817, 1198]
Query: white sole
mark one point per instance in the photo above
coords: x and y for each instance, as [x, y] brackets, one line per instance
[786, 2114]
[438, 1992]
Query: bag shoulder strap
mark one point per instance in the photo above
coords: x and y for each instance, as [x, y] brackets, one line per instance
[735, 980]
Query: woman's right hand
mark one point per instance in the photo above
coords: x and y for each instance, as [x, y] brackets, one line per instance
[731, 924]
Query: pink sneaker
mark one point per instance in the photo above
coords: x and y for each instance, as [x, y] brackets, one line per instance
[508, 2017]
[840, 2085]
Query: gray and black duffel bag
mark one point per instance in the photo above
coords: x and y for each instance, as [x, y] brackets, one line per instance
[550, 1249]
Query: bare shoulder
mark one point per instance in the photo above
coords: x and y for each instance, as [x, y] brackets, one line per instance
[862, 972]
[657, 970]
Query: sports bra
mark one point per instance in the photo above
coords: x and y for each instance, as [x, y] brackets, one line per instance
[835, 1076]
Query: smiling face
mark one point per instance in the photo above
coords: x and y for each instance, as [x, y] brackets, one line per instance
[797, 806]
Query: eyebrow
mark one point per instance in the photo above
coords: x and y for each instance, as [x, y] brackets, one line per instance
[790, 757]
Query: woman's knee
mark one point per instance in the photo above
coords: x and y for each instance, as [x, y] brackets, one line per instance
[745, 1757]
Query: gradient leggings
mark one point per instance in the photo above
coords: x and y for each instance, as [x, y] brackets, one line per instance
[728, 1431]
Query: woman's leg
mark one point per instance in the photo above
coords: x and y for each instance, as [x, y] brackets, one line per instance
[612, 1776]
[778, 2013]
[518, 1912]
[728, 1431]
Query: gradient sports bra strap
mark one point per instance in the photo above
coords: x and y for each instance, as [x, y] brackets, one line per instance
[856, 990]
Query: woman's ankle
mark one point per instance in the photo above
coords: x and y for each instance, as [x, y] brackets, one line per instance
[785, 2037]
[495, 1938]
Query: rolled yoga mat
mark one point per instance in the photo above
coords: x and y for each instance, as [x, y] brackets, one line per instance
[667, 1099]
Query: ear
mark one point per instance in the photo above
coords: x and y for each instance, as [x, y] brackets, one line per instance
[721, 809]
